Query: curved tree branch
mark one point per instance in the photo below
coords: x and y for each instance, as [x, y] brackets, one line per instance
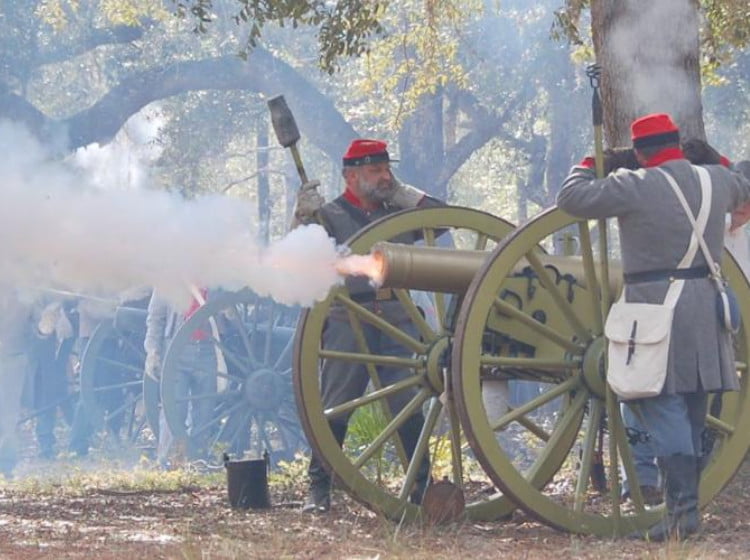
[486, 125]
[94, 38]
[262, 73]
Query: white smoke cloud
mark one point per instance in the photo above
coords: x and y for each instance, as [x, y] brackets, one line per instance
[59, 231]
[123, 163]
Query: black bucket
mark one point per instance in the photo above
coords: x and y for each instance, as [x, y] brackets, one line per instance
[247, 483]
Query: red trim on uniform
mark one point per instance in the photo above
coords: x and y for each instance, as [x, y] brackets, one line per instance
[197, 334]
[665, 155]
[724, 160]
[352, 198]
[589, 162]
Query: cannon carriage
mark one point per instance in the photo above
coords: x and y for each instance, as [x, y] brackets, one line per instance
[115, 397]
[250, 406]
[245, 405]
[510, 307]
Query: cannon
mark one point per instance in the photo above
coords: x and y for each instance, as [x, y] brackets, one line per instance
[251, 406]
[244, 404]
[514, 304]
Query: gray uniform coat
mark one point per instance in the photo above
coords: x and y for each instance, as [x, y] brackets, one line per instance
[342, 381]
[654, 235]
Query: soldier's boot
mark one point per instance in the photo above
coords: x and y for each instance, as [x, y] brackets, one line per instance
[319, 498]
[409, 433]
[681, 492]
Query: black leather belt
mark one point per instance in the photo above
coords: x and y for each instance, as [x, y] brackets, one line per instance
[381, 294]
[667, 274]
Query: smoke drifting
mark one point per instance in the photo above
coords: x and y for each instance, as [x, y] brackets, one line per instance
[647, 46]
[59, 231]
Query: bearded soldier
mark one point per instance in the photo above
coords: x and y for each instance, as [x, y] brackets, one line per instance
[654, 235]
[372, 192]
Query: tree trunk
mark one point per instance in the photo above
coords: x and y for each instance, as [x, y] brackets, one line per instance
[261, 164]
[563, 117]
[421, 146]
[649, 53]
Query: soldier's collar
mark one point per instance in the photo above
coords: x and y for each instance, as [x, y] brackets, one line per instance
[665, 155]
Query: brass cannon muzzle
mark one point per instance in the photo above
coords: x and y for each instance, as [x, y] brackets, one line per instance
[436, 269]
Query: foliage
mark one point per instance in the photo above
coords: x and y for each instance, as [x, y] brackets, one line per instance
[76, 481]
[725, 30]
[419, 56]
[289, 474]
[344, 27]
[59, 14]
[365, 425]
[567, 21]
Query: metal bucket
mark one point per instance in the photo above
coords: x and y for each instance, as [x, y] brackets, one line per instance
[247, 483]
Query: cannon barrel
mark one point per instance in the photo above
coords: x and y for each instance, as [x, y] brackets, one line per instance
[444, 270]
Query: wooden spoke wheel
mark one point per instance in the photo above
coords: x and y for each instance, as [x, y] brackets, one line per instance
[226, 380]
[112, 378]
[570, 423]
[372, 464]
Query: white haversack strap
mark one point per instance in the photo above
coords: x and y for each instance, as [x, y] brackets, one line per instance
[699, 226]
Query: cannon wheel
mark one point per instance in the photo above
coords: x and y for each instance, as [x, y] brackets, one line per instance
[356, 466]
[250, 401]
[112, 384]
[577, 372]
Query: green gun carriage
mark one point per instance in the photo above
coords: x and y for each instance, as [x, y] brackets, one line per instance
[521, 304]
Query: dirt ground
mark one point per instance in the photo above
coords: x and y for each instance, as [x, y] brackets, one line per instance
[93, 515]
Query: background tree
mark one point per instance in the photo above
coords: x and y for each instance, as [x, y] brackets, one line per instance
[653, 55]
[482, 106]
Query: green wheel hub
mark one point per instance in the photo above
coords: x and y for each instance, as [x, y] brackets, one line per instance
[594, 367]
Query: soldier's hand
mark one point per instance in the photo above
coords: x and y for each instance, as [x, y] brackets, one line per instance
[63, 327]
[619, 158]
[152, 365]
[740, 216]
[309, 201]
[48, 319]
[405, 196]
[310, 185]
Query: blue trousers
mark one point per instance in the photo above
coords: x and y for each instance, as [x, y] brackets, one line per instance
[643, 449]
[674, 422]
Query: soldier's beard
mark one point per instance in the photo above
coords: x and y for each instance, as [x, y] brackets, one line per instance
[377, 192]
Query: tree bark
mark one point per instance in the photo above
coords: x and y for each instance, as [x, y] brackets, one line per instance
[422, 147]
[649, 53]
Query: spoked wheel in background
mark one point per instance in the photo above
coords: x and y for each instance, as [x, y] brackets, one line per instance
[226, 380]
[560, 323]
[112, 379]
[372, 466]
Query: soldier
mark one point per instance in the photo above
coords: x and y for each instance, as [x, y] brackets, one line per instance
[197, 372]
[698, 152]
[16, 332]
[47, 380]
[371, 192]
[654, 233]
